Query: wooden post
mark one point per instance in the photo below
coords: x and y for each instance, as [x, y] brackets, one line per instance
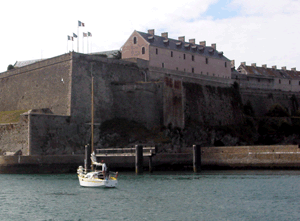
[196, 158]
[150, 164]
[138, 159]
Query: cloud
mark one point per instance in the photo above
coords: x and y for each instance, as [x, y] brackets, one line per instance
[253, 31]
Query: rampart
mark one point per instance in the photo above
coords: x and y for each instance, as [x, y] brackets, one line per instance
[14, 137]
[45, 84]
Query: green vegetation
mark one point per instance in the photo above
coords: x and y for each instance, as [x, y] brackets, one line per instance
[10, 67]
[277, 111]
[11, 116]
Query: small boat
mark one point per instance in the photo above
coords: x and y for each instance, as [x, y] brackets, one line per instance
[96, 177]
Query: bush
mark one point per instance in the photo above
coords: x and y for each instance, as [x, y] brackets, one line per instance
[277, 111]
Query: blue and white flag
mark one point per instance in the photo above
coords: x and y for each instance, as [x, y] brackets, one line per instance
[74, 35]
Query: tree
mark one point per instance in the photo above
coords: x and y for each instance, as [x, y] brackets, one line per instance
[10, 67]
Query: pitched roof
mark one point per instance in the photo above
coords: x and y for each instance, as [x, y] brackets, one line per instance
[270, 72]
[178, 45]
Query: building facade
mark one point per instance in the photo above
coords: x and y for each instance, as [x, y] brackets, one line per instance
[252, 76]
[179, 55]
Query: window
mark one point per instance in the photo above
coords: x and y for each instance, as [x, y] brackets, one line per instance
[289, 81]
[143, 50]
[162, 65]
[134, 40]
[184, 56]
[258, 80]
[206, 60]
[279, 81]
[299, 82]
[156, 51]
[193, 58]
[225, 64]
[193, 70]
[172, 54]
[177, 70]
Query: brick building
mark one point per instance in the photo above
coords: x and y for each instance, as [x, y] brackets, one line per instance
[164, 52]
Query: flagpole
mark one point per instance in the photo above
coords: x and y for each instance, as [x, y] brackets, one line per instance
[78, 38]
[87, 44]
[68, 45]
[83, 45]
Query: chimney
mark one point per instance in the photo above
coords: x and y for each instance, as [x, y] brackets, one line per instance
[283, 68]
[253, 64]
[232, 63]
[151, 31]
[264, 66]
[203, 43]
[274, 67]
[165, 34]
[182, 38]
[243, 63]
[214, 46]
[192, 41]
[293, 69]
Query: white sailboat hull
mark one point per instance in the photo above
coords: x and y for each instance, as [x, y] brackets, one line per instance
[88, 181]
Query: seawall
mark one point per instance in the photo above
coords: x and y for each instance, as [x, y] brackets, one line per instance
[245, 157]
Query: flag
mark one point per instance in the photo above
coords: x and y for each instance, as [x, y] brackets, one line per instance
[89, 34]
[84, 34]
[80, 24]
[70, 38]
[74, 35]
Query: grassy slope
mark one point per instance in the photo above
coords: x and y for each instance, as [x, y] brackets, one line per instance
[11, 116]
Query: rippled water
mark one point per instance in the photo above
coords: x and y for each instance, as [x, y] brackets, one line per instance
[210, 195]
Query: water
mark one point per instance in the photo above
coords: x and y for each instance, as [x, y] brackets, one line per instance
[210, 195]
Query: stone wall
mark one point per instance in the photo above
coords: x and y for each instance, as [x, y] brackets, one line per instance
[14, 137]
[141, 102]
[106, 72]
[262, 100]
[56, 135]
[45, 84]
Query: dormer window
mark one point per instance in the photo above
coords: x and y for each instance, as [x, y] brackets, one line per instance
[134, 40]
[178, 43]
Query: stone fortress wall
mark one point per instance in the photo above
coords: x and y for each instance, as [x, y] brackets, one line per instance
[121, 89]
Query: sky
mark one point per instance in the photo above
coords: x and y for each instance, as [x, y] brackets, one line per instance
[256, 31]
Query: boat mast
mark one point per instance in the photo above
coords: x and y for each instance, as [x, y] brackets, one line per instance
[92, 112]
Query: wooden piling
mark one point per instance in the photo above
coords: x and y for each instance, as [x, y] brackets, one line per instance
[196, 158]
[150, 165]
[138, 159]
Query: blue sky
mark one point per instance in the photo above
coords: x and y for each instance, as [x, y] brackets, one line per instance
[221, 10]
[256, 31]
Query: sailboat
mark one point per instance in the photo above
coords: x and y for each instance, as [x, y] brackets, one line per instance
[97, 176]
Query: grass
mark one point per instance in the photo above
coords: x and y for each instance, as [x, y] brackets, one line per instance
[11, 116]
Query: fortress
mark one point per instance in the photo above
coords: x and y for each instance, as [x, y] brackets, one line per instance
[158, 81]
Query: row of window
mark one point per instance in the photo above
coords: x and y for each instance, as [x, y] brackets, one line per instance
[279, 80]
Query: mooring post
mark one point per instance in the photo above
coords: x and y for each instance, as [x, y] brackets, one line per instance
[138, 159]
[150, 163]
[196, 158]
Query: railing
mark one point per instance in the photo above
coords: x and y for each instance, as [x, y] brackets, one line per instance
[125, 152]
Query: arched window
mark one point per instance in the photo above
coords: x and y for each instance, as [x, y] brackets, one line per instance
[134, 40]
[143, 50]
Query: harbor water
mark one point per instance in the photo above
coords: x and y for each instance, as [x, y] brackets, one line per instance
[209, 195]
